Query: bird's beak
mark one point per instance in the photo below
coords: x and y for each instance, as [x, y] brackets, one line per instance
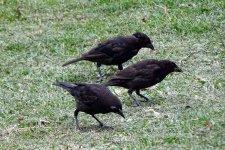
[150, 46]
[120, 112]
[177, 69]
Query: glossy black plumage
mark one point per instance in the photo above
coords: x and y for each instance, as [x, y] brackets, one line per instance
[92, 99]
[142, 75]
[115, 51]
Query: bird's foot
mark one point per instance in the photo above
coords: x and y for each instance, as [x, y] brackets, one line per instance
[100, 78]
[137, 105]
[77, 128]
[144, 100]
[76, 125]
[106, 127]
[101, 125]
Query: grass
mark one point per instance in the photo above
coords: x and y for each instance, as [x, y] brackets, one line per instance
[36, 37]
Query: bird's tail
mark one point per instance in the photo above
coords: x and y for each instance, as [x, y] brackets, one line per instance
[72, 61]
[65, 85]
[110, 83]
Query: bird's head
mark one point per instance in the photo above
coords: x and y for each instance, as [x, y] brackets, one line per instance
[170, 66]
[66, 86]
[117, 110]
[144, 40]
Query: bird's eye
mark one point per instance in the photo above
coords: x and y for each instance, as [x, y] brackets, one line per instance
[113, 107]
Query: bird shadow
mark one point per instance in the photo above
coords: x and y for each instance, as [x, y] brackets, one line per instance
[95, 128]
[152, 102]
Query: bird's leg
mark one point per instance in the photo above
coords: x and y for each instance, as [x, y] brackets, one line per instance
[100, 123]
[133, 98]
[99, 72]
[75, 119]
[120, 67]
[142, 96]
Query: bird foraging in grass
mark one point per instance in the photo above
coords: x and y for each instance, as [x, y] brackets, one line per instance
[142, 75]
[115, 51]
[92, 99]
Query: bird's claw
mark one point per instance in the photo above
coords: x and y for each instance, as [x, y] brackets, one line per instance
[100, 78]
[137, 105]
[106, 127]
[77, 127]
[144, 100]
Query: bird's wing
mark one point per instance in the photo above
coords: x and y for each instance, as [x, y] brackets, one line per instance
[99, 52]
[126, 74]
[130, 73]
[149, 72]
[88, 95]
[112, 47]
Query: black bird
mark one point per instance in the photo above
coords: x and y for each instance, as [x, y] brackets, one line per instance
[144, 74]
[115, 51]
[92, 99]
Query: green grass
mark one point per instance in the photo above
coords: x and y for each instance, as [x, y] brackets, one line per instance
[36, 37]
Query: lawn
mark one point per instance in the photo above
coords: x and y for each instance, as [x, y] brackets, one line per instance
[185, 111]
